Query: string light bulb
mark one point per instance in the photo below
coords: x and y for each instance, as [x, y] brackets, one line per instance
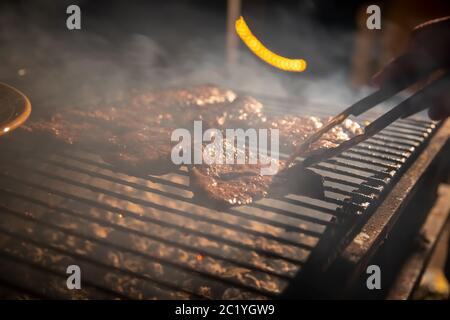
[286, 64]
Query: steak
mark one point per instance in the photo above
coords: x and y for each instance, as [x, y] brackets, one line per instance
[217, 108]
[239, 184]
[221, 184]
[134, 133]
[144, 151]
[295, 129]
[64, 129]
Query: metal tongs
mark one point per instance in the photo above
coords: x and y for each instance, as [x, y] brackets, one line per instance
[414, 104]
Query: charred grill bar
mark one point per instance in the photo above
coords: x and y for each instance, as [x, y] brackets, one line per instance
[145, 237]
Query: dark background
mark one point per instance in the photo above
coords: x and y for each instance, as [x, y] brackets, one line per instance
[175, 23]
[128, 44]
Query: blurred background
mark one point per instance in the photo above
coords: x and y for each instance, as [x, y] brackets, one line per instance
[125, 44]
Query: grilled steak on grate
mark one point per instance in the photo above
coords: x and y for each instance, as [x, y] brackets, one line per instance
[239, 184]
[294, 129]
[144, 151]
[134, 134]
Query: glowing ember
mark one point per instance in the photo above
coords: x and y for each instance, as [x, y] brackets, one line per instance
[199, 257]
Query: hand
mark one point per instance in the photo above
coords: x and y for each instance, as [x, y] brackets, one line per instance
[429, 49]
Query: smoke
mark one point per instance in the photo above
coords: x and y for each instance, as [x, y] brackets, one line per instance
[136, 46]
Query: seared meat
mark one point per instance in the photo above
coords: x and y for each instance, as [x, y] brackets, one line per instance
[199, 96]
[244, 184]
[295, 129]
[127, 145]
[64, 129]
[142, 151]
[245, 112]
[182, 106]
[217, 108]
[134, 133]
[239, 184]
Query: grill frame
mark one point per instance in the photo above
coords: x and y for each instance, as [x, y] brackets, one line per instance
[372, 242]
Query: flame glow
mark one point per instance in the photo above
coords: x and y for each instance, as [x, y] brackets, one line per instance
[294, 65]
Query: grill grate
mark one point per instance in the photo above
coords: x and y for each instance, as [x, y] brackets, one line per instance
[136, 237]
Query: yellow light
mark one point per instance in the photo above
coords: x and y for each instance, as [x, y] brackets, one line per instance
[293, 65]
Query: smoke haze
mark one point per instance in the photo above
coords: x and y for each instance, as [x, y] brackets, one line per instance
[135, 45]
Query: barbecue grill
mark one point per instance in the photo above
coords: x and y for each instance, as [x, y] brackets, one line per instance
[140, 236]
[145, 237]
